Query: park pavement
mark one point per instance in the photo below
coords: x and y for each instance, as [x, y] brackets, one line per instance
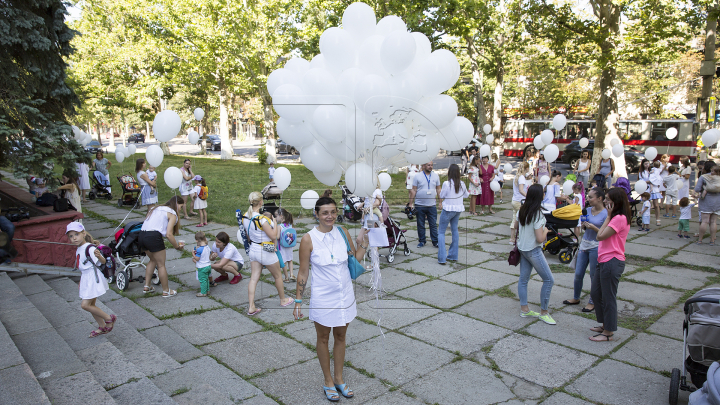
[435, 334]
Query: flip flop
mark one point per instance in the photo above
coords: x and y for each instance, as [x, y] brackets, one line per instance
[257, 311]
[344, 390]
[608, 338]
[289, 302]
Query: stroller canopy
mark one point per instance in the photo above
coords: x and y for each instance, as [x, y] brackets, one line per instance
[703, 339]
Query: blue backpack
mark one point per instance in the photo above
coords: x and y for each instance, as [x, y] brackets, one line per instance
[288, 237]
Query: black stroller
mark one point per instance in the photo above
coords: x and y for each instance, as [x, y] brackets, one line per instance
[701, 339]
[126, 247]
[564, 245]
[396, 237]
[623, 183]
[100, 187]
[352, 205]
[130, 191]
[270, 194]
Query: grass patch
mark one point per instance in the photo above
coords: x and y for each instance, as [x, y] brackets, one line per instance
[504, 292]
[196, 311]
[180, 391]
[360, 370]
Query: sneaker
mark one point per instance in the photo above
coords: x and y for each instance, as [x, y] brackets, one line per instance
[680, 236]
[236, 279]
[223, 277]
[501, 201]
[421, 244]
[547, 319]
[435, 245]
[529, 314]
[687, 236]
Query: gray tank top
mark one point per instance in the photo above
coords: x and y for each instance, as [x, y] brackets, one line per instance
[605, 167]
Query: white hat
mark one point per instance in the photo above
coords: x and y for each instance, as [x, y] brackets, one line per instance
[75, 226]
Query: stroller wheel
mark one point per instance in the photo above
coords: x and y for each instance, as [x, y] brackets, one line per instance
[340, 218]
[407, 251]
[639, 221]
[110, 279]
[155, 278]
[565, 256]
[91, 195]
[108, 196]
[674, 387]
[390, 258]
[121, 280]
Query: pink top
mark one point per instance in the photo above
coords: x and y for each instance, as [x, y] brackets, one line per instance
[614, 246]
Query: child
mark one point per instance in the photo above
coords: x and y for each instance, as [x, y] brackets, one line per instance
[200, 203]
[285, 219]
[579, 199]
[201, 257]
[715, 171]
[474, 180]
[671, 192]
[645, 213]
[152, 175]
[685, 216]
[271, 171]
[655, 193]
[92, 282]
[500, 178]
[40, 186]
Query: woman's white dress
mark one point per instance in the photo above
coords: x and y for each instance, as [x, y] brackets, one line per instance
[332, 302]
[83, 178]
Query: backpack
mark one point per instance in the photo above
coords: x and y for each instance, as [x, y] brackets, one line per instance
[203, 193]
[46, 200]
[61, 205]
[288, 237]
[107, 269]
[244, 232]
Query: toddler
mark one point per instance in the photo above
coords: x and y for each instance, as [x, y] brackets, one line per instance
[671, 182]
[152, 175]
[201, 257]
[645, 213]
[579, 199]
[271, 171]
[285, 219]
[715, 171]
[92, 282]
[200, 195]
[656, 182]
[685, 216]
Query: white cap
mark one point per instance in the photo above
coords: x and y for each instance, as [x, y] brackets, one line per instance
[75, 226]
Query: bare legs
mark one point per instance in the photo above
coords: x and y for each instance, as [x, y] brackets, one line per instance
[656, 205]
[323, 336]
[157, 260]
[256, 270]
[97, 313]
[709, 221]
[472, 205]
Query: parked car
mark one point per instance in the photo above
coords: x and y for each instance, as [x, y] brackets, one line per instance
[213, 142]
[94, 147]
[572, 152]
[282, 147]
[137, 138]
[115, 135]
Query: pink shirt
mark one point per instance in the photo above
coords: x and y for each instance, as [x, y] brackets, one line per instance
[614, 246]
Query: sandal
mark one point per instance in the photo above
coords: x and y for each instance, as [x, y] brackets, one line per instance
[331, 394]
[148, 289]
[597, 329]
[492, 212]
[657, 222]
[192, 214]
[113, 318]
[607, 338]
[97, 332]
[169, 293]
[344, 390]
[292, 278]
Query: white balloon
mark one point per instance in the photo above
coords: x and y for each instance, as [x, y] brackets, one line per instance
[359, 20]
[281, 76]
[440, 110]
[154, 155]
[124, 149]
[193, 137]
[508, 168]
[614, 142]
[318, 62]
[710, 137]
[584, 142]
[547, 137]
[494, 185]
[347, 81]
[538, 143]
[641, 186]
[606, 153]
[671, 133]
[618, 150]
[485, 150]
[85, 139]
[119, 156]
[392, 140]
[282, 178]
[423, 47]
[330, 122]
[405, 90]
[308, 199]
[397, 51]
[76, 131]
[487, 128]
[316, 158]
[297, 65]
[132, 149]
[390, 24]
[436, 73]
[372, 94]
[457, 134]
[567, 187]
[329, 178]
[290, 102]
[166, 125]
[489, 139]
[559, 122]
[337, 46]
[199, 113]
[173, 177]
[650, 153]
[296, 135]
[320, 82]
[544, 179]
[369, 56]
[551, 153]
[385, 181]
[360, 179]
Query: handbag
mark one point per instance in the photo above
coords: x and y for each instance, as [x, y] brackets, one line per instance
[514, 256]
[356, 269]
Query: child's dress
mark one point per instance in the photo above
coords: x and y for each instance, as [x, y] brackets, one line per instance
[153, 195]
[473, 174]
[92, 282]
[656, 182]
[199, 203]
[646, 213]
[285, 252]
[83, 178]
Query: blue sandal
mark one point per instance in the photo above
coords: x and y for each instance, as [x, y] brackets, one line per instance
[330, 395]
[344, 390]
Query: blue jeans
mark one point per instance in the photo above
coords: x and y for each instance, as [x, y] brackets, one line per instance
[8, 227]
[535, 259]
[584, 259]
[451, 218]
[431, 213]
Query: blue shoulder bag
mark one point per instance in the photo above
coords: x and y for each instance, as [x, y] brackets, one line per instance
[356, 269]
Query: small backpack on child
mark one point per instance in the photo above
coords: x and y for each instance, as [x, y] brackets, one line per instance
[107, 269]
[288, 237]
[203, 193]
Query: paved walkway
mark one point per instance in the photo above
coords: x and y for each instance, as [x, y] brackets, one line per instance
[447, 334]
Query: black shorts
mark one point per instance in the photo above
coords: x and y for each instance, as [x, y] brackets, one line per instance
[151, 241]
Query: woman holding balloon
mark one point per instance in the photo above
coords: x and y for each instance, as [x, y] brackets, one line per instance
[186, 187]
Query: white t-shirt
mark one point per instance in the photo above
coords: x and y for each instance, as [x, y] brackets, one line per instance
[204, 257]
[686, 212]
[140, 180]
[158, 220]
[499, 174]
[369, 201]
[271, 171]
[412, 171]
[230, 252]
[83, 264]
[646, 212]
[196, 190]
[256, 236]
[670, 182]
[551, 191]
[521, 181]
[152, 175]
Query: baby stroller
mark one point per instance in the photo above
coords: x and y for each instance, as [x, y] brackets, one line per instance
[352, 205]
[701, 338]
[126, 247]
[600, 181]
[130, 191]
[564, 245]
[270, 193]
[623, 183]
[396, 237]
[100, 186]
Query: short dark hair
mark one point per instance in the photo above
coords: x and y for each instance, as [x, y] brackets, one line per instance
[223, 237]
[324, 201]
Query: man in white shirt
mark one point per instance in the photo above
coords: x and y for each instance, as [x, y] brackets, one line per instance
[424, 196]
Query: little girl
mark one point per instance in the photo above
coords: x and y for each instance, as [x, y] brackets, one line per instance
[645, 213]
[285, 219]
[500, 176]
[685, 216]
[656, 182]
[579, 199]
[474, 180]
[200, 203]
[152, 175]
[92, 282]
[201, 257]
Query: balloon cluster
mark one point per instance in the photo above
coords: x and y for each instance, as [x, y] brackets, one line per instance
[80, 136]
[166, 126]
[710, 137]
[370, 100]
[121, 152]
[544, 140]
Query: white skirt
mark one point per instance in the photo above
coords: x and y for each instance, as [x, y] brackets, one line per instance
[287, 253]
[89, 288]
[199, 204]
[84, 182]
[148, 197]
[261, 256]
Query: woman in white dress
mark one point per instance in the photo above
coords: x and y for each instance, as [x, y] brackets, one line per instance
[186, 188]
[332, 305]
[148, 195]
[83, 179]
[71, 191]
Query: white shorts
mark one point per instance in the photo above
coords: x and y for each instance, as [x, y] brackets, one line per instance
[671, 199]
[261, 256]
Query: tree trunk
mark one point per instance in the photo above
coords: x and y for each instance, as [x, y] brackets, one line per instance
[710, 37]
[478, 88]
[497, 98]
[226, 151]
[203, 125]
[111, 133]
[97, 130]
[269, 126]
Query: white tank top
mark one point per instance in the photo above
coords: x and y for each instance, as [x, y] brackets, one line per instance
[582, 165]
[158, 220]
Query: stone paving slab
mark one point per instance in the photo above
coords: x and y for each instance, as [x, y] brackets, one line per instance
[646, 294]
[31, 284]
[19, 386]
[76, 335]
[567, 280]
[428, 266]
[273, 313]
[652, 252]
[110, 295]
[128, 394]
[76, 389]
[181, 303]
[133, 314]
[483, 279]
[212, 326]
[454, 332]
[135, 289]
[561, 398]
[146, 356]
[684, 273]
[358, 331]
[108, 365]
[652, 240]
[670, 324]
[574, 331]
[651, 351]
[259, 352]
[472, 257]
[510, 352]
[237, 294]
[395, 398]
[557, 295]
[500, 311]
[672, 280]
[24, 320]
[697, 259]
[394, 313]
[501, 266]
[171, 343]
[397, 358]
[203, 394]
[502, 230]
[705, 248]
[65, 288]
[10, 354]
[47, 354]
[301, 384]
[440, 294]
[392, 279]
[433, 388]
[623, 384]
[180, 266]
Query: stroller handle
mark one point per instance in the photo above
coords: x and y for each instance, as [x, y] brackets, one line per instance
[699, 299]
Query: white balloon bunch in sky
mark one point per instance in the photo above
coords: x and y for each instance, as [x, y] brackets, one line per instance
[370, 100]
[166, 126]
[544, 140]
[80, 136]
[710, 137]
